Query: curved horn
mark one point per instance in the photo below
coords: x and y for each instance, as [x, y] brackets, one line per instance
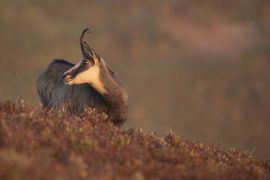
[84, 46]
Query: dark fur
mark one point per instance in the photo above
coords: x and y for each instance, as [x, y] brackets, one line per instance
[53, 92]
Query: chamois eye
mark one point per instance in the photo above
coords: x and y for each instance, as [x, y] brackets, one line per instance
[86, 62]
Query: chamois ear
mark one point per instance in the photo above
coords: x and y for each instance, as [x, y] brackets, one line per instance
[90, 51]
[86, 47]
[87, 51]
[96, 57]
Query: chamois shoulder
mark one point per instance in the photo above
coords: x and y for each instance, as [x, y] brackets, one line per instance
[60, 62]
[59, 66]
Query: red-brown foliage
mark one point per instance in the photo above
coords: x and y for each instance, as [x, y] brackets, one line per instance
[35, 144]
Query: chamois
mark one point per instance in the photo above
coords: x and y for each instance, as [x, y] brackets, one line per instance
[89, 83]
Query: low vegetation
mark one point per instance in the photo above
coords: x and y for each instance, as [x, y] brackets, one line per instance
[36, 144]
[206, 61]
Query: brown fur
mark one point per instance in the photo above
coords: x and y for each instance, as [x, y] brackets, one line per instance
[90, 83]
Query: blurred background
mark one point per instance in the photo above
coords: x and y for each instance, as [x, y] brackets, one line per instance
[200, 68]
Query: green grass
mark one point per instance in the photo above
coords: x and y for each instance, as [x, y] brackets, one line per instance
[35, 144]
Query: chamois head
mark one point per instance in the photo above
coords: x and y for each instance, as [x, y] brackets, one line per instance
[88, 69]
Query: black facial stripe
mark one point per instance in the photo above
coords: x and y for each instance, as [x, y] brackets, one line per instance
[81, 68]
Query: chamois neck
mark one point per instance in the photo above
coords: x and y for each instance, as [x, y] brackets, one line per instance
[114, 95]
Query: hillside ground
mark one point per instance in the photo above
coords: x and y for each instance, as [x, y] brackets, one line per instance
[199, 68]
[36, 144]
